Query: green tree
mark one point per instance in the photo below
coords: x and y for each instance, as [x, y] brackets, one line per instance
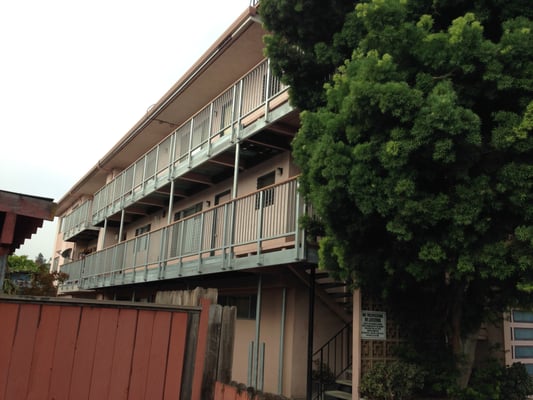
[418, 155]
[42, 282]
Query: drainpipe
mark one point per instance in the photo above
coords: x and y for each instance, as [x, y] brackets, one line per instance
[310, 332]
[282, 339]
[255, 377]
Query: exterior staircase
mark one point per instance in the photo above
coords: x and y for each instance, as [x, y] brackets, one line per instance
[343, 389]
[332, 374]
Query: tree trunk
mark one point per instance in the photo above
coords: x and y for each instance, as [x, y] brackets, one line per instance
[464, 348]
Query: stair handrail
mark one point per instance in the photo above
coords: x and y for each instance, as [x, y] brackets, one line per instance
[328, 371]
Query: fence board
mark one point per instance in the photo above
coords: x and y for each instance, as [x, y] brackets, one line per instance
[82, 368]
[176, 356]
[227, 344]
[103, 357]
[43, 352]
[123, 354]
[158, 356]
[20, 366]
[63, 358]
[9, 313]
[141, 355]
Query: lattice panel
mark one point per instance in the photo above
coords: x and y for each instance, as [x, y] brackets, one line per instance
[375, 351]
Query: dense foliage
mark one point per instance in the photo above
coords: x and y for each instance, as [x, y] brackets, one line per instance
[27, 277]
[417, 154]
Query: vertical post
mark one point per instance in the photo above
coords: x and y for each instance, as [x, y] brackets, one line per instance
[122, 214]
[267, 89]
[310, 332]
[190, 143]
[104, 234]
[3, 267]
[210, 129]
[170, 203]
[260, 222]
[356, 345]
[297, 230]
[236, 170]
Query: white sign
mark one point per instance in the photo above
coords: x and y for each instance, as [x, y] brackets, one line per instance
[373, 325]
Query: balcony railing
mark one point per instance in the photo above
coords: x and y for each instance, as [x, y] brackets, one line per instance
[214, 128]
[262, 225]
[77, 221]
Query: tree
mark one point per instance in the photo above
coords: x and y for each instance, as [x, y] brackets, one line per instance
[423, 144]
[39, 280]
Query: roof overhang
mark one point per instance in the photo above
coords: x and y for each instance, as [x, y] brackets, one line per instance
[20, 217]
[236, 51]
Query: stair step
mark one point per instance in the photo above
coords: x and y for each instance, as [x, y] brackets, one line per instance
[340, 294]
[338, 394]
[344, 382]
[332, 285]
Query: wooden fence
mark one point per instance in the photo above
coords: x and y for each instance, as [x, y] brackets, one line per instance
[82, 349]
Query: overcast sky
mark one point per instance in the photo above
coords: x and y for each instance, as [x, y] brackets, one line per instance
[76, 75]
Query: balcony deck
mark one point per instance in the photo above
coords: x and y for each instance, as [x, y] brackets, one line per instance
[256, 230]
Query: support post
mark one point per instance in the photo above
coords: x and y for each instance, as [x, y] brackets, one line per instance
[3, 267]
[310, 332]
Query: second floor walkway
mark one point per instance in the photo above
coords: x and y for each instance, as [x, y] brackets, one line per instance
[259, 229]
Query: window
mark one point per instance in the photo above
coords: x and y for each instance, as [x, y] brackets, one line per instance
[522, 316]
[523, 352]
[142, 242]
[188, 211]
[191, 229]
[246, 305]
[268, 194]
[523, 333]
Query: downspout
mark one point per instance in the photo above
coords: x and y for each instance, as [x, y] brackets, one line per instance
[282, 339]
[255, 376]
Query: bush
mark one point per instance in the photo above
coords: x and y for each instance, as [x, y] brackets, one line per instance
[396, 380]
[497, 382]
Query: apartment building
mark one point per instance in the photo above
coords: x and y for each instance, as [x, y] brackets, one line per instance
[203, 191]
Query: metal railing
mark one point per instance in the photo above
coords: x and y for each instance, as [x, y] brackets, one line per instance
[78, 220]
[213, 128]
[263, 221]
[332, 360]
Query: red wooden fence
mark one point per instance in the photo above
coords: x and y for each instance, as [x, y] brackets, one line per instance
[80, 349]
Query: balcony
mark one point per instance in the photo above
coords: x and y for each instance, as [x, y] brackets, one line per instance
[77, 225]
[259, 229]
[239, 113]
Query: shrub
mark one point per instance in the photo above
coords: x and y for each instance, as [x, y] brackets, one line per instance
[497, 382]
[396, 380]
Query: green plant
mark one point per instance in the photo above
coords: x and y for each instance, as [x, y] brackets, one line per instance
[497, 382]
[322, 373]
[396, 380]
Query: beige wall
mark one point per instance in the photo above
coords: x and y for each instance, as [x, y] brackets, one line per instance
[295, 339]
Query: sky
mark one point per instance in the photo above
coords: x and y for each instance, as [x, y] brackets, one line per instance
[76, 75]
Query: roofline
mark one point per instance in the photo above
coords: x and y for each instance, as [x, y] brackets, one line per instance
[229, 35]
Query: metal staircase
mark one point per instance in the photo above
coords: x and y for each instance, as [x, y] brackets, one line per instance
[332, 376]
